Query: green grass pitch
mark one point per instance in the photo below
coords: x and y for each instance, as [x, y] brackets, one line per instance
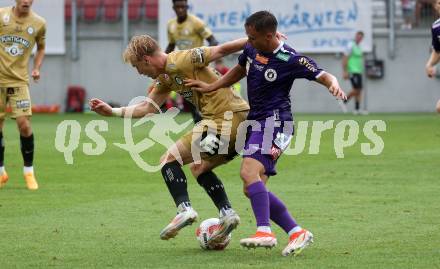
[105, 212]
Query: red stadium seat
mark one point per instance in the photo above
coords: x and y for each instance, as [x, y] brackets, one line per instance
[91, 10]
[112, 10]
[67, 10]
[151, 9]
[134, 10]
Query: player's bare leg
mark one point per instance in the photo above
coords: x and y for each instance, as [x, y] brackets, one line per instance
[27, 150]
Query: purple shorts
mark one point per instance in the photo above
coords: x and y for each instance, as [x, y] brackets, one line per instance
[267, 145]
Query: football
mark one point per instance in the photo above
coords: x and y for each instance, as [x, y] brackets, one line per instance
[204, 232]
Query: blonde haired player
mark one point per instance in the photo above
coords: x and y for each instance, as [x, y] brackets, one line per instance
[170, 70]
[435, 55]
[20, 30]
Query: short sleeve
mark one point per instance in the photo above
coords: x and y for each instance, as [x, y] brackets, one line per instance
[242, 59]
[436, 39]
[348, 49]
[201, 29]
[305, 67]
[170, 33]
[199, 57]
[40, 39]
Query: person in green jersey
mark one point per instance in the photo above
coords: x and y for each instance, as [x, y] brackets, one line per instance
[353, 66]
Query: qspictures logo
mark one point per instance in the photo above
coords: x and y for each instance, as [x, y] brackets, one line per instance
[277, 136]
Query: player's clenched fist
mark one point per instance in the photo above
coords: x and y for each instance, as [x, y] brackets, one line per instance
[100, 107]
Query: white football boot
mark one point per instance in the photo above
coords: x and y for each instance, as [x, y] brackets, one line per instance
[260, 239]
[229, 220]
[185, 216]
[297, 242]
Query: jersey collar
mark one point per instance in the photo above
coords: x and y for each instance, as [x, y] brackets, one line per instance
[279, 47]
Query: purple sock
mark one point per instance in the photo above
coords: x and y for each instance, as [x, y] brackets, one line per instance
[260, 202]
[279, 214]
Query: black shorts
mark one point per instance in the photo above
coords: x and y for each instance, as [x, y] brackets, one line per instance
[356, 81]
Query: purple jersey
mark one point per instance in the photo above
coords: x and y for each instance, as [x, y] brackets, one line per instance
[270, 77]
[436, 35]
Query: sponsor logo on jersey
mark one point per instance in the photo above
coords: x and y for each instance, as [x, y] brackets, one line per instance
[197, 56]
[14, 39]
[270, 75]
[23, 104]
[187, 95]
[304, 61]
[14, 50]
[262, 59]
[283, 56]
[184, 44]
[259, 67]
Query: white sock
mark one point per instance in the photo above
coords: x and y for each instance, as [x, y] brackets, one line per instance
[28, 169]
[264, 229]
[295, 230]
[2, 170]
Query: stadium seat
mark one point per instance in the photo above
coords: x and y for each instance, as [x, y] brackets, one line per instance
[112, 10]
[67, 10]
[151, 9]
[134, 10]
[91, 10]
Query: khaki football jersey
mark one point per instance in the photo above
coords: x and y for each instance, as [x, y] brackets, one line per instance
[194, 64]
[17, 39]
[189, 34]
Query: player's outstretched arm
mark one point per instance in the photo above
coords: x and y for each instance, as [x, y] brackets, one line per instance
[135, 111]
[332, 84]
[432, 61]
[234, 75]
[227, 48]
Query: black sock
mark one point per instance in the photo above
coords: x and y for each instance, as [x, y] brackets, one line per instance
[357, 105]
[27, 149]
[176, 182]
[2, 149]
[215, 189]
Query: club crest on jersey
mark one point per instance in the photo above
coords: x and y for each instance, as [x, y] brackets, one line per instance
[197, 56]
[185, 32]
[30, 30]
[6, 18]
[270, 75]
[14, 50]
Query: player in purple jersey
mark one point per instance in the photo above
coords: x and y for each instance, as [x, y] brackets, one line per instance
[435, 55]
[271, 67]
